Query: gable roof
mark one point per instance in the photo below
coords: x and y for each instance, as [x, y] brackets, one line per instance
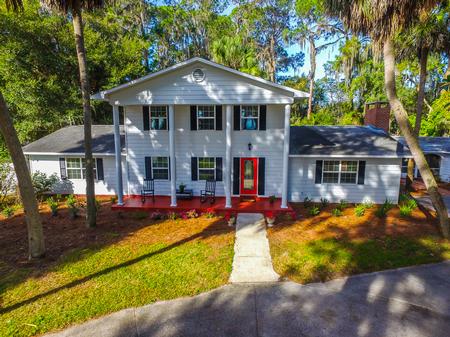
[434, 145]
[102, 95]
[70, 140]
[344, 141]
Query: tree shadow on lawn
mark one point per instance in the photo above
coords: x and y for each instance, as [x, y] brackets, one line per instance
[323, 247]
[64, 237]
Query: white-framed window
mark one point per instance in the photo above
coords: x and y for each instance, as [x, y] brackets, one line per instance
[160, 168]
[340, 171]
[206, 117]
[158, 117]
[76, 168]
[206, 168]
[249, 117]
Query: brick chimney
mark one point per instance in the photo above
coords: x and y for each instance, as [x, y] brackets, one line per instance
[377, 114]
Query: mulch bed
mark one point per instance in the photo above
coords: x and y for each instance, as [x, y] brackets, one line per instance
[63, 233]
[349, 226]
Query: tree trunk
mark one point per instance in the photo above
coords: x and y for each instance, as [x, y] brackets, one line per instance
[36, 246]
[272, 61]
[312, 74]
[421, 94]
[423, 60]
[84, 81]
[401, 117]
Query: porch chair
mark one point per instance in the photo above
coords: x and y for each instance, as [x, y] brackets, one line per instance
[208, 192]
[148, 188]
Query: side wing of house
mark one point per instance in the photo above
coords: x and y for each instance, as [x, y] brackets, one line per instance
[69, 169]
[374, 179]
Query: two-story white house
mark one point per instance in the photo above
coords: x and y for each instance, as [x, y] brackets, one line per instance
[199, 120]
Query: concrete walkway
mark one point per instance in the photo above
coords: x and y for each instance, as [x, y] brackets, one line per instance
[252, 261]
[409, 302]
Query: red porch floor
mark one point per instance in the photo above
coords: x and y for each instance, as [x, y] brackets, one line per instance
[162, 203]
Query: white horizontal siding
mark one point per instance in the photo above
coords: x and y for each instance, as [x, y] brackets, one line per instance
[218, 87]
[444, 171]
[140, 144]
[50, 165]
[382, 181]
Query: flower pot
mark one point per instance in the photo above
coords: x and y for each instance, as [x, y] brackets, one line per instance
[270, 222]
[231, 222]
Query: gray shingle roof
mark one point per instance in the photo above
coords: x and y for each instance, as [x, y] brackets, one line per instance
[71, 140]
[431, 144]
[344, 141]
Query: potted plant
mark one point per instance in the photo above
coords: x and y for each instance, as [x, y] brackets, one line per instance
[270, 218]
[182, 187]
[272, 199]
[231, 219]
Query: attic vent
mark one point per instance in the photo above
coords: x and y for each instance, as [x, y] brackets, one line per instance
[198, 75]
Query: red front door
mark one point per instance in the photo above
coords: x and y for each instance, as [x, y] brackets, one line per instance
[249, 176]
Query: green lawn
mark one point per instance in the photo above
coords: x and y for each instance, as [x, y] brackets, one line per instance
[324, 247]
[95, 280]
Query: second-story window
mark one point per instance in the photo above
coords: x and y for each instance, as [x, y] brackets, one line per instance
[249, 117]
[206, 117]
[158, 117]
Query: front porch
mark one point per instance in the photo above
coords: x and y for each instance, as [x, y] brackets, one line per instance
[238, 205]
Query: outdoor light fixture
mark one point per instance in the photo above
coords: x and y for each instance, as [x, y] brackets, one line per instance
[250, 146]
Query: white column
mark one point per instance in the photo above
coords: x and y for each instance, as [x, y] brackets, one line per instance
[118, 154]
[287, 132]
[229, 111]
[173, 176]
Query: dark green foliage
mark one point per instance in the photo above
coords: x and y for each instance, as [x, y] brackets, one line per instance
[336, 211]
[314, 211]
[384, 208]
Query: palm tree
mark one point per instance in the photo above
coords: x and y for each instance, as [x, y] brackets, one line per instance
[75, 7]
[381, 20]
[36, 245]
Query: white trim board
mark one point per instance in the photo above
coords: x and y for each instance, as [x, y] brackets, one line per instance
[343, 156]
[74, 154]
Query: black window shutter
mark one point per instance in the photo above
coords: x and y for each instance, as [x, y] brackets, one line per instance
[62, 168]
[261, 176]
[219, 169]
[262, 117]
[193, 117]
[194, 166]
[319, 164]
[236, 175]
[167, 114]
[148, 167]
[237, 117]
[100, 173]
[218, 117]
[146, 117]
[361, 172]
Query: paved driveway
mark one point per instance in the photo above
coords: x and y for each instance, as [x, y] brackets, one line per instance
[407, 302]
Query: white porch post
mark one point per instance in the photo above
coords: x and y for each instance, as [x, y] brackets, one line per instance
[229, 111]
[173, 177]
[287, 132]
[118, 154]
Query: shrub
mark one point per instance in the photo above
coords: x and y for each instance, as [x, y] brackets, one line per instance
[403, 197]
[210, 213]
[113, 199]
[72, 204]
[54, 205]
[157, 216]
[411, 203]
[314, 211]
[307, 202]
[405, 210]
[336, 211]
[8, 184]
[324, 202]
[192, 214]
[384, 208]
[8, 212]
[172, 216]
[360, 210]
[343, 204]
[43, 184]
